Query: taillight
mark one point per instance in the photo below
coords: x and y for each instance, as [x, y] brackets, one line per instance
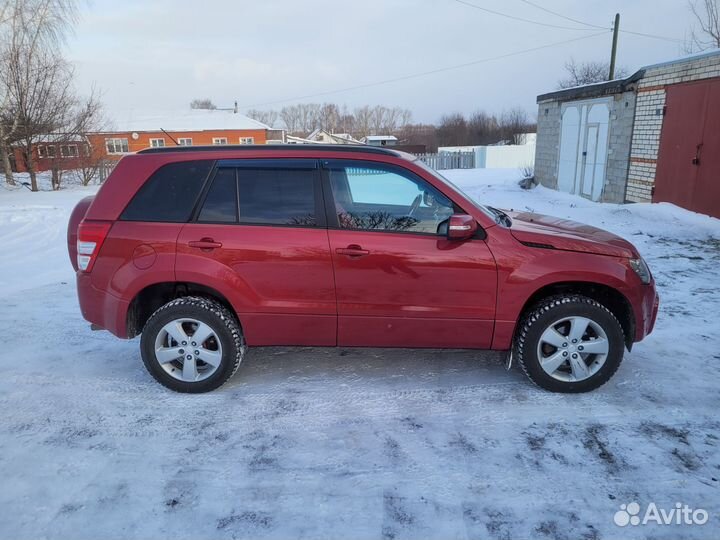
[91, 235]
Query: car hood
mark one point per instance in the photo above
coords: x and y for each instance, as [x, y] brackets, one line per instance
[564, 234]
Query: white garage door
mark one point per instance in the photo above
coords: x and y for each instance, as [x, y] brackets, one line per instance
[583, 147]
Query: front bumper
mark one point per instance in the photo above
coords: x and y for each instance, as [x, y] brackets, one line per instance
[646, 311]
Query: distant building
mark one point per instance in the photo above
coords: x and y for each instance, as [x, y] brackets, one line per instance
[190, 127]
[380, 140]
[54, 151]
[650, 137]
[136, 131]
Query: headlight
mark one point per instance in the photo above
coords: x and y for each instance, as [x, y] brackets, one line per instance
[641, 269]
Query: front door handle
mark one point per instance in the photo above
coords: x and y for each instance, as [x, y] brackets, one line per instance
[353, 250]
[205, 244]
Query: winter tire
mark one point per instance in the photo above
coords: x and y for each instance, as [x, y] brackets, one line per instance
[192, 345]
[569, 343]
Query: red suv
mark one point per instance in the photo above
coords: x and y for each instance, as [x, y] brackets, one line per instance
[206, 250]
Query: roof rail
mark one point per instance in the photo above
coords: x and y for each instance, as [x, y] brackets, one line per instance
[269, 147]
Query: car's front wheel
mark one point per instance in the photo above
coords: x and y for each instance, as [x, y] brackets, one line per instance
[192, 344]
[569, 343]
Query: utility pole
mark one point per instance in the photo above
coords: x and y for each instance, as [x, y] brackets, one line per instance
[613, 54]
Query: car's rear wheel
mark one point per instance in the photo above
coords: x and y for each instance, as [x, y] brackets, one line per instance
[192, 344]
[569, 343]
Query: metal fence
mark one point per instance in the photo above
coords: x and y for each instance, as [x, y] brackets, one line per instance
[449, 160]
[104, 169]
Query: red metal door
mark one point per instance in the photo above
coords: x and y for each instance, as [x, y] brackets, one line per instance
[706, 197]
[689, 158]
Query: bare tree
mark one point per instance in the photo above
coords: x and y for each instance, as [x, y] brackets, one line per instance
[419, 134]
[43, 102]
[453, 130]
[269, 118]
[707, 15]
[328, 117]
[203, 103]
[27, 27]
[308, 116]
[483, 129]
[582, 73]
[346, 122]
[514, 123]
[363, 120]
[290, 116]
[77, 118]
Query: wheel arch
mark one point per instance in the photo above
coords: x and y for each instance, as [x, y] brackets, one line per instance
[608, 296]
[153, 296]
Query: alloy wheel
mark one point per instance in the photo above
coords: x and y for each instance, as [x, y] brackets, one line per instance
[573, 349]
[188, 350]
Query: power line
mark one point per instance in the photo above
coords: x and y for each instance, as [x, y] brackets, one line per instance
[515, 18]
[422, 74]
[653, 36]
[563, 16]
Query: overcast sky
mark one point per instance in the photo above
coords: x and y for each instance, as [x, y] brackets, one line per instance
[160, 54]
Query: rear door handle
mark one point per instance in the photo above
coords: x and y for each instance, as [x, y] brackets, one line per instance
[205, 243]
[353, 250]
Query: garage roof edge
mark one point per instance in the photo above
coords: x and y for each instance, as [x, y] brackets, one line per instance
[606, 88]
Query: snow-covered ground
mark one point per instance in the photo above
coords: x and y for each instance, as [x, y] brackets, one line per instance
[324, 443]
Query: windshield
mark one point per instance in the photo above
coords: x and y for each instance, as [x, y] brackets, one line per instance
[489, 212]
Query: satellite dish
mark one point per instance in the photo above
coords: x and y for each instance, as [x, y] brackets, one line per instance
[135, 135]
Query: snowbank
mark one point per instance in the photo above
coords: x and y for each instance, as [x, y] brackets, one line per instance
[356, 443]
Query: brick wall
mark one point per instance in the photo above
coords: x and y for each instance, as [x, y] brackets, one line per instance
[649, 116]
[198, 138]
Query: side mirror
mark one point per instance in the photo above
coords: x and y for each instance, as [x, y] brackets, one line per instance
[461, 227]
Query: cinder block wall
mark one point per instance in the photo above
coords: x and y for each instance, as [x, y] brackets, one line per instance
[622, 113]
[649, 117]
[547, 146]
[547, 152]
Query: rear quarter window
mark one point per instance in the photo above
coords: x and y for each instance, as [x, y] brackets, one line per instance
[169, 195]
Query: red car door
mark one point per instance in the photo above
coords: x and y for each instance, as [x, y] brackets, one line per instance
[398, 282]
[259, 237]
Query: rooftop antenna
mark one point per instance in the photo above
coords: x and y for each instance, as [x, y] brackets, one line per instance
[171, 137]
[235, 109]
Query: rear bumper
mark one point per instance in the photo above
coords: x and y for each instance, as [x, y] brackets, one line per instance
[646, 312]
[100, 308]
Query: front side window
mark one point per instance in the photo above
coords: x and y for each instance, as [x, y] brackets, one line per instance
[378, 197]
[157, 143]
[185, 141]
[169, 194]
[219, 140]
[116, 146]
[277, 197]
[220, 204]
[42, 152]
[50, 151]
[247, 140]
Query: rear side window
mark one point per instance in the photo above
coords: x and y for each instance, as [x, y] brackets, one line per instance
[277, 197]
[169, 194]
[220, 205]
